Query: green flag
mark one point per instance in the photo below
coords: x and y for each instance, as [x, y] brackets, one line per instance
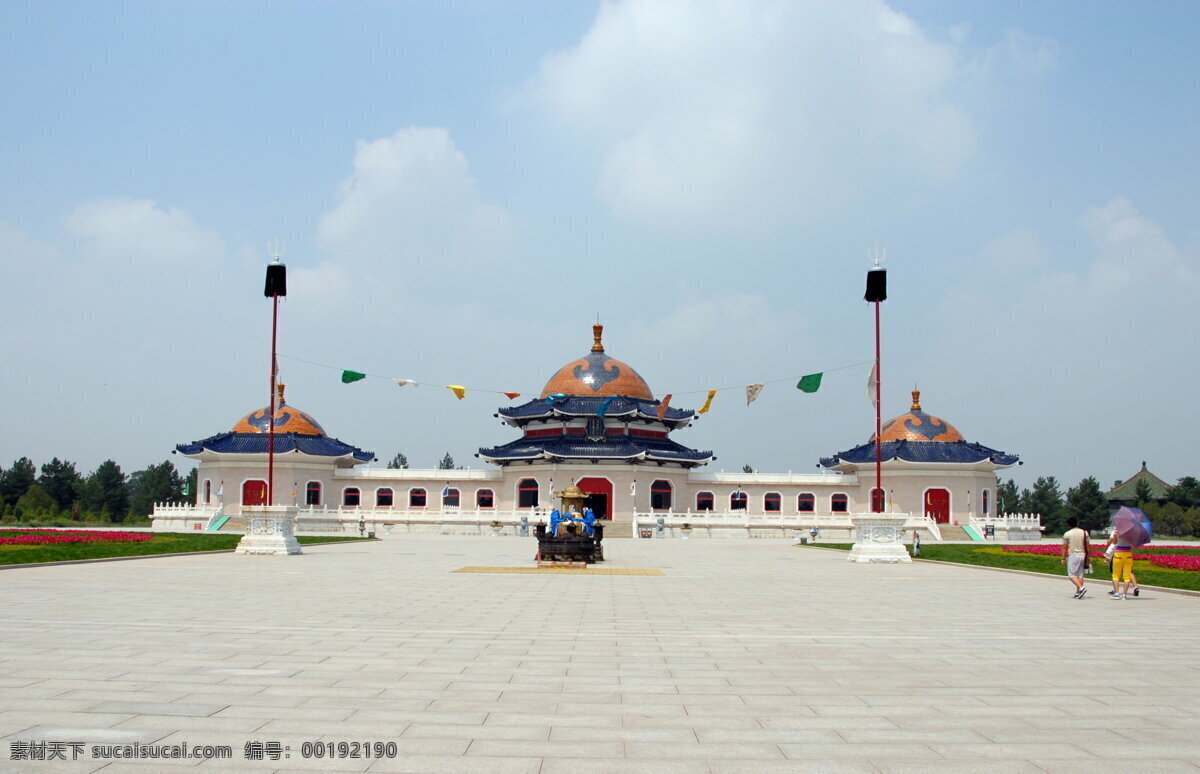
[187, 488]
[352, 376]
[810, 383]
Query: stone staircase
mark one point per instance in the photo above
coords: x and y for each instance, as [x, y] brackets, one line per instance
[953, 533]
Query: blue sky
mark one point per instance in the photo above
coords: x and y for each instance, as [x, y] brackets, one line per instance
[461, 188]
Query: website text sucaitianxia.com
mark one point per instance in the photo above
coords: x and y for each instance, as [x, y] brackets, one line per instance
[262, 751]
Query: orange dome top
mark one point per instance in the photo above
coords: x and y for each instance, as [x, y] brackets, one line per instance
[916, 425]
[597, 374]
[287, 420]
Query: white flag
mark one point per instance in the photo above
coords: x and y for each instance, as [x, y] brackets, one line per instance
[402, 382]
[633, 488]
[221, 489]
[752, 392]
[873, 386]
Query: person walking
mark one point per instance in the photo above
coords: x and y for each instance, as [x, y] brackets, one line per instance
[1120, 560]
[1075, 555]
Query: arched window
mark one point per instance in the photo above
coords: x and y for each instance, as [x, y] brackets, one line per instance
[527, 493]
[738, 500]
[772, 503]
[986, 493]
[312, 493]
[704, 501]
[878, 501]
[416, 498]
[485, 498]
[450, 498]
[350, 497]
[660, 495]
[207, 491]
[806, 502]
[839, 503]
[383, 498]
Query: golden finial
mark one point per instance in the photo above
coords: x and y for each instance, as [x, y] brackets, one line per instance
[916, 406]
[279, 389]
[597, 331]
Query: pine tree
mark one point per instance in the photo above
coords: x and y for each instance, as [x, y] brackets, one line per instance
[1046, 499]
[61, 481]
[191, 481]
[1007, 497]
[1087, 503]
[447, 463]
[399, 462]
[1185, 493]
[107, 492]
[747, 469]
[1141, 492]
[156, 484]
[16, 480]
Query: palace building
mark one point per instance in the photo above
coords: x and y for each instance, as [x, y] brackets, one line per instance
[597, 424]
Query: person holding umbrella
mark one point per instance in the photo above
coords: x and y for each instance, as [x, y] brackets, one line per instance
[1109, 550]
[1131, 529]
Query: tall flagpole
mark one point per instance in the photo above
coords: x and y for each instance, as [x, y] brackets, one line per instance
[877, 293]
[276, 286]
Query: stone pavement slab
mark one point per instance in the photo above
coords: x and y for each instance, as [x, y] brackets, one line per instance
[742, 656]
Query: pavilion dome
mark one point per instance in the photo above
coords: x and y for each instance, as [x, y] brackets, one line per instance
[287, 420]
[917, 425]
[597, 374]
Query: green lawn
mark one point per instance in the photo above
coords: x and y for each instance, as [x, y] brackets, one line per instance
[161, 543]
[994, 556]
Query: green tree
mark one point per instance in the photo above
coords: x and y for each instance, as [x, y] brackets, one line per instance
[35, 502]
[16, 481]
[747, 469]
[61, 481]
[190, 482]
[400, 462]
[1141, 492]
[1169, 519]
[156, 484]
[1185, 493]
[1007, 497]
[105, 492]
[447, 463]
[1046, 499]
[1087, 503]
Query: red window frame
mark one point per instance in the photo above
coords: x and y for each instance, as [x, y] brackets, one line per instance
[452, 498]
[351, 493]
[705, 501]
[312, 493]
[739, 501]
[772, 502]
[527, 493]
[384, 497]
[485, 498]
[839, 503]
[417, 497]
[806, 502]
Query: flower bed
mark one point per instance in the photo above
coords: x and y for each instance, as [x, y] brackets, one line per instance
[1172, 561]
[46, 537]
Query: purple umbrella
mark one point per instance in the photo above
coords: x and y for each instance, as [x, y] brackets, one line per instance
[1132, 527]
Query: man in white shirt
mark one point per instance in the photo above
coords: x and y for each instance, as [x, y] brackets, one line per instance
[1075, 555]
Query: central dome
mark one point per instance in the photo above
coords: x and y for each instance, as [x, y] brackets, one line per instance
[287, 420]
[916, 425]
[597, 374]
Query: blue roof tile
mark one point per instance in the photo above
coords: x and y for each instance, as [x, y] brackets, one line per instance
[962, 452]
[256, 443]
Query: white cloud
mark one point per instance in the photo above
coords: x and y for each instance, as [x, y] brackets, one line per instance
[137, 230]
[411, 204]
[723, 114]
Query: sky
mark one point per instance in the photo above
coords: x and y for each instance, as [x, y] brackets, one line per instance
[461, 189]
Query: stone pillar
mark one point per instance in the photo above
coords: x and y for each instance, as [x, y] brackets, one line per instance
[270, 530]
[878, 538]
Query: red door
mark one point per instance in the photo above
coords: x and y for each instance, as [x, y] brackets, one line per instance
[254, 493]
[599, 492]
[937, 505]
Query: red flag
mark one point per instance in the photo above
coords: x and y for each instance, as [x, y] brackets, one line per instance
[513, 395]
[662, 407]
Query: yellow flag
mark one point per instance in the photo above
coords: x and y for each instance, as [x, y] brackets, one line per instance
[459, 391]
[708, 402]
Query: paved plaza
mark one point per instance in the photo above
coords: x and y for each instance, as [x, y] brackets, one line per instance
[743, 656]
